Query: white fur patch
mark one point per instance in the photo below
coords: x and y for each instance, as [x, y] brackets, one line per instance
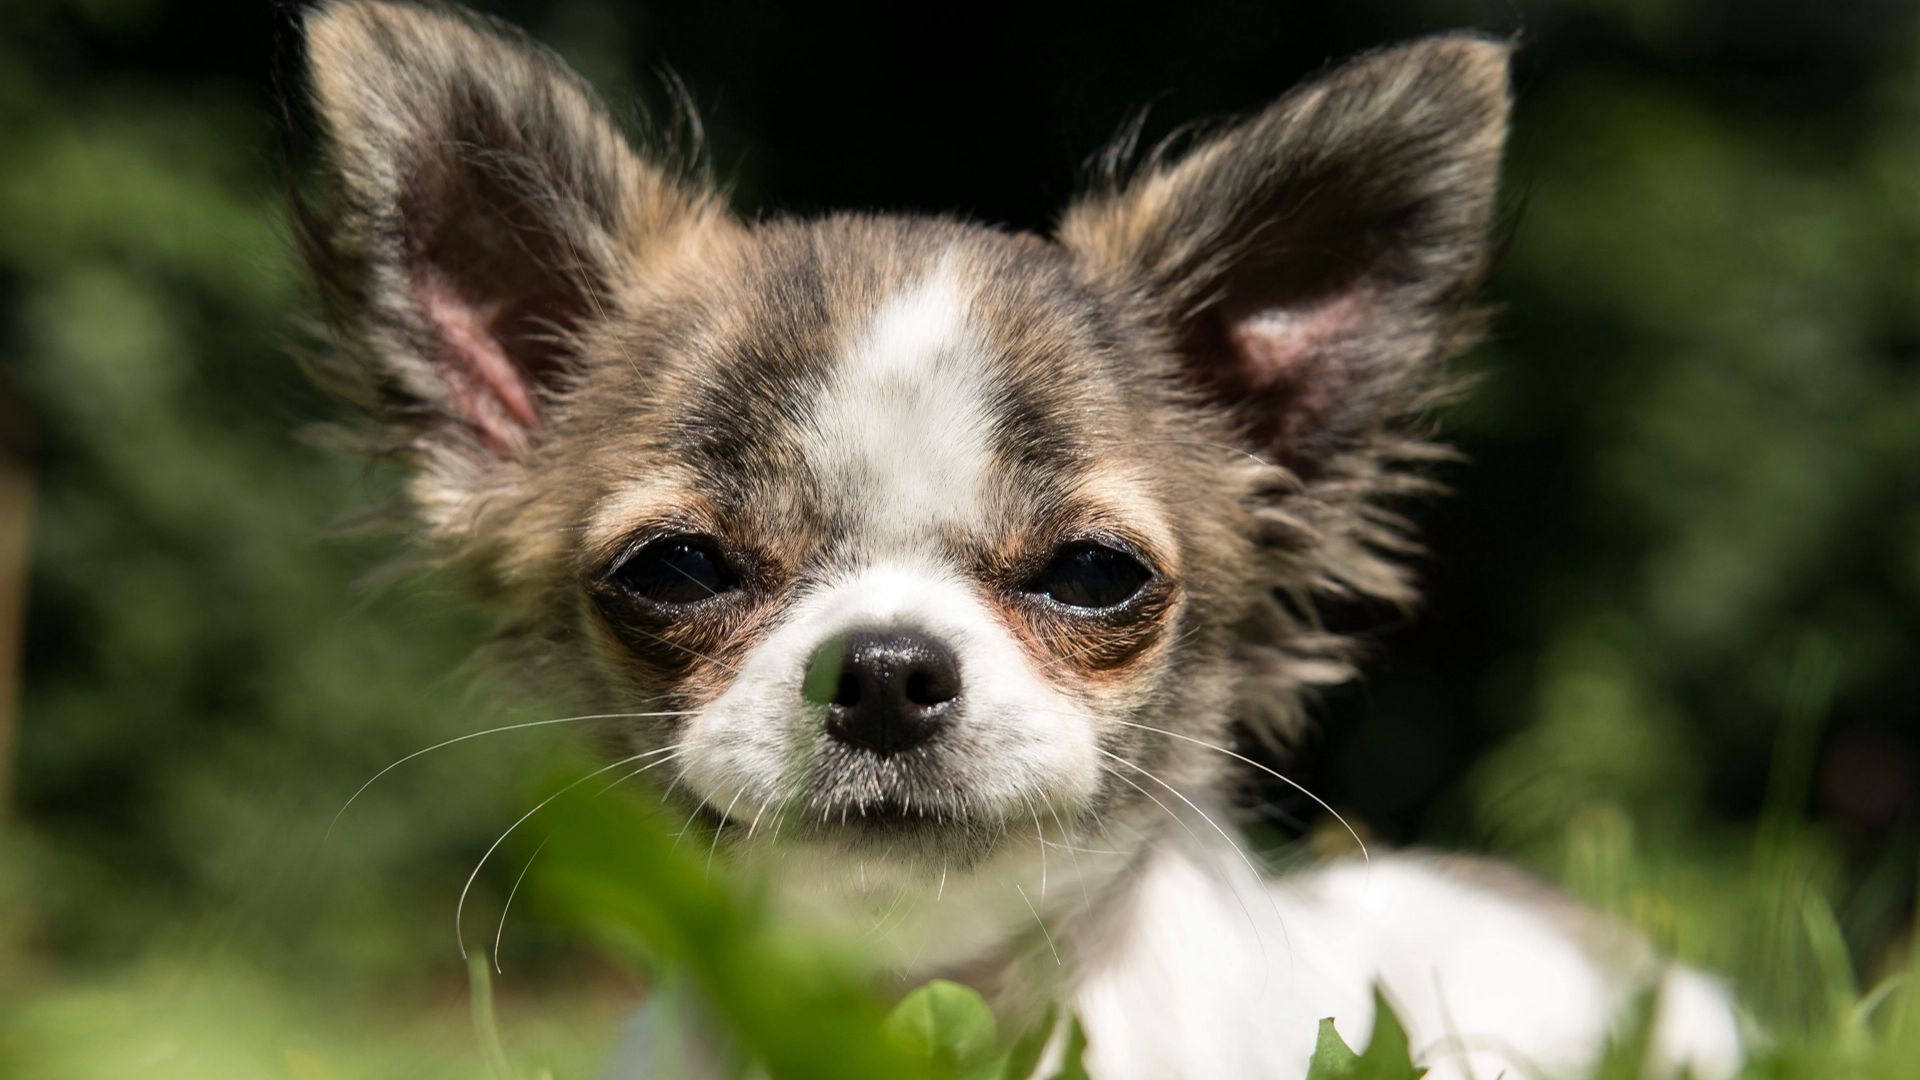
[756, 738]
[902, 432]
[1236, 973]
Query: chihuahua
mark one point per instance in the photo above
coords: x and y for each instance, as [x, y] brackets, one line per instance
[941, 564]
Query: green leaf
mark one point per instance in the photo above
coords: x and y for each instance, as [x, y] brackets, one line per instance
[1387, 1056]
[1333, 1059]
[946, 1022]
[798, 1008]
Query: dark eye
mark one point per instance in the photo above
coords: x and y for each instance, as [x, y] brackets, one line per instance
[1092, 576]
[676, 570]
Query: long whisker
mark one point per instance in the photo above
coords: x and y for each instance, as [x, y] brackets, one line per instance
[1191, 805]
[624, 777]
[784, 805]
[1042, 923]
[725, 817]
[695, 653]
[1040, 835]
[699, 804]
[459, 909]
[1073, 853]
[678, 778]
[711, 591]
[755, 824]
[501, 929]
[1287, 780]
[490, 731]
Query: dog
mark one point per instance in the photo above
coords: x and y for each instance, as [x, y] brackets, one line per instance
[957, 556]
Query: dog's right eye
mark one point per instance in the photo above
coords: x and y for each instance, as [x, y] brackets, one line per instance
[676, 570]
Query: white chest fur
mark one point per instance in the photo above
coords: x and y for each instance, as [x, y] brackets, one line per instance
[1216, 974]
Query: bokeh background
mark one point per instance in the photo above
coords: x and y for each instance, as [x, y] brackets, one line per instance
[1671, 650]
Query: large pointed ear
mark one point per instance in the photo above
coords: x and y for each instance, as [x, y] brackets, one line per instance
[474, 214]
[1314, 262]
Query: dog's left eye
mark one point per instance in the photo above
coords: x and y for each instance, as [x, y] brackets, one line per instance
[676, 570]
[1086, 575]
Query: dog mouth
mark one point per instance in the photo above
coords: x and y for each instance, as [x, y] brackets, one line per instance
[887, 823]
[886, 815]
[910, 805]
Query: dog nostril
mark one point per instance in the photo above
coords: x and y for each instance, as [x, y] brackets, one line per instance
[925, 687]
[846, 693]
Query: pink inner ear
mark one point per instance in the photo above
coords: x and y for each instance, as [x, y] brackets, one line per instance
[1286, 364]
[1279, 345]
[489, 390]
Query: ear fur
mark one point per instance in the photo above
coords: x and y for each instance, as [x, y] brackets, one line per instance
[475, 214]
[1313, 262]
[1311, 267]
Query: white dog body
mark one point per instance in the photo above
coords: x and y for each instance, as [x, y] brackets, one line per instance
[1485, 983]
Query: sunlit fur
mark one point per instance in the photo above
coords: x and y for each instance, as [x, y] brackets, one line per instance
[1220, 365]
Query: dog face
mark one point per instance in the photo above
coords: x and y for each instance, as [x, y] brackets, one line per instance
[923, 536]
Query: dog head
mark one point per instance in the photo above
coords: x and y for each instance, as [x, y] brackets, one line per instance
[924, 536]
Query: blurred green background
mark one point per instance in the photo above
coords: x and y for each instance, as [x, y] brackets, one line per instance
[1671, 653]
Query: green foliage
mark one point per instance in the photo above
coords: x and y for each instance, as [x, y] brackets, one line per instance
[795, 1004]
[796, 1007]
[949, 1025]
[1387, 1056]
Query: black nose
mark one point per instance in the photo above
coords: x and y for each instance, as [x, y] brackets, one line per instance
[885, 691]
